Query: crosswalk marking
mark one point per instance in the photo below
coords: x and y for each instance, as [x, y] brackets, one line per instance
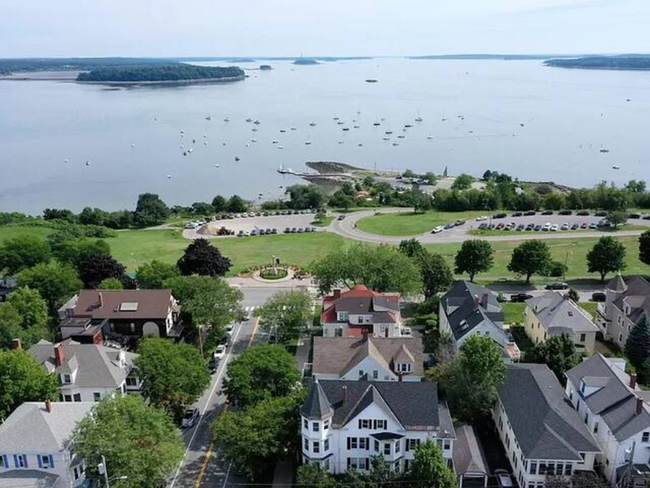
[251, 308]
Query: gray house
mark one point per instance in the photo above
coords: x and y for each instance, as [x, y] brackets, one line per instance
[627, 300]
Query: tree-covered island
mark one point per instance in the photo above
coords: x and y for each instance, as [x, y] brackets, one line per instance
[169, 73]
[638, 63]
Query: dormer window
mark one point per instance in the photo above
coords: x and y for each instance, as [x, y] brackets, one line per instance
[342, 316]
[404, 367]
[66, 379]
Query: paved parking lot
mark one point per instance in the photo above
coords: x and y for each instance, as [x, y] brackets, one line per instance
[555, 219]
[248, 224]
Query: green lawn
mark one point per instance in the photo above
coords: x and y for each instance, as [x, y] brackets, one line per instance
[514, 312]
[11, 231]
[322, 223]
[408, 223]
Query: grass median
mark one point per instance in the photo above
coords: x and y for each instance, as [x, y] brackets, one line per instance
[407, 223]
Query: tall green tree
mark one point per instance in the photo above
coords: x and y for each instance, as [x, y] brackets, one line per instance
[76, 250]
[150, 210]
[173, 375]
[25, 317]
[637, 346]
[471, 380]
[557, 352]
[474, 256]
[607, 256]
[644, 247]
[529, 258]
[617, 218]
[152, 275]
[436, 274]
[138, 442]
[94, 269]
[311, 475]
[204, 259]
[381, 268]
[429, 469]
[412, 248]
[55, 282]
[254, 438]
[306, 196]
[21, 252]
[236, 204]
[23, 380]
[110, 284]
[261, 372]
[219, 204]
[288, 313]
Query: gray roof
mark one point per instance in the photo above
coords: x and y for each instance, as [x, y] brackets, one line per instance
[337, 355]
[467, 455]
[543, 420]
[31, 428]
[316, 406]
[617, 284]
[462, 313]
[559, 314]
[414, 404]
[614, 400]
[636, 294]
[30, 478]
[97, 366]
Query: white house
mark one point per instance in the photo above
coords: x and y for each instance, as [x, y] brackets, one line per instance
[37, 448]
[468, 309]
[378, 359]
[541, 432]
[87, 372]
[346, 423]
[613, 408]
[361, 312]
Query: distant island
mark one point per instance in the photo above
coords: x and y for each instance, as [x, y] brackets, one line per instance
[633, 63]
[495, 57]
[170, 73]
[21, 65]
[266, 67]
[241, 60]
[305, 62]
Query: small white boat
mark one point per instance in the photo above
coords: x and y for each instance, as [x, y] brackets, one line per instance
[253, 140]
[616, 167]
[247, 144]
[340, 122]
[190, 150]
[280, 147]
[294, 128]
[66, 160]
[386, 138]
[307, 143]
[205, 143]
[226, 119]
[282, 131]
[254, 129]
[133, 144]
[224, 143]
[169, 177]
[216, 165]
[603, 150]
[356, 126]
[208, 118]
[312, 124]
[429, 136]
[336, 118]
[419, 119]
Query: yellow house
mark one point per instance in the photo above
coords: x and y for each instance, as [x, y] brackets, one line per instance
[553, 314]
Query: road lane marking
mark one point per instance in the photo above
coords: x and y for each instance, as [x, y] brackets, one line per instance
[204, 466]
[254, 333]
[214, 388]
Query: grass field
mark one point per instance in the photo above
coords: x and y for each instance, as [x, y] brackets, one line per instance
[514, 312]
[135, 247]
[408, 223]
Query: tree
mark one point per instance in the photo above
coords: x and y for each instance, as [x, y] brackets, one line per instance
[429, 469]
[138, 442]
[462, 182]
[313, 476]
[150, 210]
[110, 284]
[637, 346]
[204, 259]
[558, 353]
[572, 294]
[261, 372]
[607, 256]
[287, 313]
[23, 317]
[587, 479]
[644, 247]
[436, 274]
[381, 268]
[470, 381]
[173, 375]
[341, 200]
[21, 252]
[152, 275]
[412, 248]
[529, 258]
[202, 209]
[306, 196]
[474, 256]
[557, 269]
[55, 282]
[421, 201]
[616, 218]
[257, 437]
[236, 204]
[219, 204]
[75, 250]
[23, 380]
[94, 269]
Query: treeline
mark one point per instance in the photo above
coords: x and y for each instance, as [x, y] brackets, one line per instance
[8, 66]
[603, 62]
[169, 72]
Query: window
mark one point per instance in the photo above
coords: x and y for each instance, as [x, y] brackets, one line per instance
[342, 316]
[306, 444]
[67, 378]
[381, 424]
[365, 424]
[20, 461]
[645, 437]
[446, 445]
[305, 424]
[375, 374]
[76, 473]
[533, 467]
[582, 455]
[353, 443]
[567, 469]
[387, 449]
[406, 465]
[316, 447]
[583, 337]
[45, 461]
[97, 396]
[595, 427]
[67, 398]
[131, 381]
[77, 397]
[364, 443]
[132, 328]
[3, 462]
[360, 373]
[404, 368]
[412, 444]
[398, 446]
[326, 445]
[376, 445]
[315, 427]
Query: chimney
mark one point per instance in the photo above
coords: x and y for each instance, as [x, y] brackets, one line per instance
[344, 394]
[476, 301]
[337, 294]
[632, 381]
[639, 405]
[48, 406]
[101, 299]
[16, 344]
[59, 355]
[484, 300]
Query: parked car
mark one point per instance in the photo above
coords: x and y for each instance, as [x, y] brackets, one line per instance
[240, 233]
[482, 218]
[520, 297]
[504, 479]
[459, 223]
[517, 214]
[190, 417]
[530, 227]
[583, 213]
[219, 352]
[546, 227]
[340, 217]
[438, 229]
[213, 365]
[500, 216]
[575, 226]
[557, 286]
[521, 227]
[538, 227]
[450, 226]
[584, 225]
[593, 225]
[547, 212]
[406, 332]
[555, 228]
[601, 214]
[566, 226]
[530, 213]
[565, 212]
[598, 296]
[483, 225]
[254, 232]
[634, 216]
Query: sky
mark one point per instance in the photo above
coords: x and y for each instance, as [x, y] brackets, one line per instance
[50, 28]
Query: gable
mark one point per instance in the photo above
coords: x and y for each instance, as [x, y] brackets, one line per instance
[367, 365]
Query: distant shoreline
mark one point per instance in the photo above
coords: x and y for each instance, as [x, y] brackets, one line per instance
[71, 77]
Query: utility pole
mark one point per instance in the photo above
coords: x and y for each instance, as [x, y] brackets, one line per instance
[103, 469]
